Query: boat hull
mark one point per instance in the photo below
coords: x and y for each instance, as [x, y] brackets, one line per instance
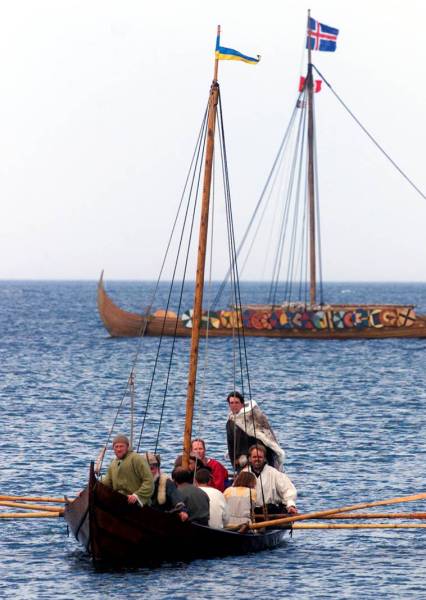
[121, 323]
[117, 533]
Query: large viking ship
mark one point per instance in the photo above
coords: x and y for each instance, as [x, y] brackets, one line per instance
[295, 305]
[116, 532]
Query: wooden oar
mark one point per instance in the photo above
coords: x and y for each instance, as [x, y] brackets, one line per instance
[33, 498]
[359, 526]
[343, 509]
[418, 515]
[32, 515]
[32, 506]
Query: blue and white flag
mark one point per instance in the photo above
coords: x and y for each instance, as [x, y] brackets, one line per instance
[321, 37]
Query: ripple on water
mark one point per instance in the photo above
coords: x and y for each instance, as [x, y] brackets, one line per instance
[350, 416]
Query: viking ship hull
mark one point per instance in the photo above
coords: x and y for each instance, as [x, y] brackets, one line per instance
[121, 323]
[117, 533]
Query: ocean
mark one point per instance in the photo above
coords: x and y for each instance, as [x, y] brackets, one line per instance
[351, 416]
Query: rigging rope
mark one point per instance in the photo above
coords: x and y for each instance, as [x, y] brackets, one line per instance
[200, 156]
[375, 142]
[259, 202]
[233, 255]
[238, 329]
[209, 288]
[148, 310]
[286, 214]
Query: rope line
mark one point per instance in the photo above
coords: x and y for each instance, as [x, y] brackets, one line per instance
[196, 176]
[375, 142]
[198, 155]
[259, 202]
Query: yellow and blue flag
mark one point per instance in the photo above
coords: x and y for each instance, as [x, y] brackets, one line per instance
[230, 54]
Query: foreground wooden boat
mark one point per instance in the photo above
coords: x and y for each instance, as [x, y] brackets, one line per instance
[111, 529]
[338, 321]
[117, 533]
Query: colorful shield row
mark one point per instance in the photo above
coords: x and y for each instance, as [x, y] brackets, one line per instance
[321, 319]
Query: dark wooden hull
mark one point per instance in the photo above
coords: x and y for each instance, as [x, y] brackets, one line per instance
[117, 533]
[121, 323]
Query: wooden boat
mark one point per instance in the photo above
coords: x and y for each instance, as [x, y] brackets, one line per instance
[116, 532]
[337, 321]
[306, 316]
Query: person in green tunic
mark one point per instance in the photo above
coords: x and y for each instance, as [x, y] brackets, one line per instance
[129, 473]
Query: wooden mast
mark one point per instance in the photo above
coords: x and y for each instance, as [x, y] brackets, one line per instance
[311, 180]
[199, 278]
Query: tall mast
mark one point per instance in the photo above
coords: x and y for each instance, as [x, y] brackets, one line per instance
[311, 180]
[199, 278]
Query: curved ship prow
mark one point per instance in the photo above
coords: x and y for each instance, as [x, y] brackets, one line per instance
[118, 322]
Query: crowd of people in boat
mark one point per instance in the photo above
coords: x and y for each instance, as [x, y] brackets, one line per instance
[205, 493]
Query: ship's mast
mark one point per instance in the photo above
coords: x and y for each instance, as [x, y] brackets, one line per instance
[201, 259]
[311, 179]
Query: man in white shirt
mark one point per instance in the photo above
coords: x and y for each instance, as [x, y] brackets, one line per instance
[274, 489]
[218, 508]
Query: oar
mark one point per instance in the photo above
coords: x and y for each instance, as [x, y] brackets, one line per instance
[33, 498]
[359, 526]
[343, 509]
[32, 515]
[418, 515]
[32, 506]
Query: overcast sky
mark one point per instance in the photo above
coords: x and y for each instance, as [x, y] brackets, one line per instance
[101, 102]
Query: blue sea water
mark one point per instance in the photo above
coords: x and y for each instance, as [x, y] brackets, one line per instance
[350, 414]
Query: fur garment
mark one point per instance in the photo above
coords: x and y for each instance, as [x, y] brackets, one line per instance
[254, 423]
[161, 492]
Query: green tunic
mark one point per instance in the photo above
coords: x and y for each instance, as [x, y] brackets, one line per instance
[130, 475]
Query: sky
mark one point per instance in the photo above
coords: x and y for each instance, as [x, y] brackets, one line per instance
[101, 102]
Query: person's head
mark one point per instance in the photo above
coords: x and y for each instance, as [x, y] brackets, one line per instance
[181, 475]
[198, 448]
[120, 445]
[235, 401]
[192, 461]
[245, 479]
[257, 456]
[154, 462]
[203, 477]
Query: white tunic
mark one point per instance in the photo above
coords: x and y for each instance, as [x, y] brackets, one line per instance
[218, 510]
[240, 501]
[274, 487]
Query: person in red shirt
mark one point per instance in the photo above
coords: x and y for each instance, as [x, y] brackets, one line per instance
[218, 471]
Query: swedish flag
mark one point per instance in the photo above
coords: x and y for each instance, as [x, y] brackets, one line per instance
[230, 54]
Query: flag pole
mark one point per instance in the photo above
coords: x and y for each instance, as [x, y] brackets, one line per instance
[216, 62]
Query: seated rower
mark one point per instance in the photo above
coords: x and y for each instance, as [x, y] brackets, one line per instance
[241, 498]
[274, 490]
[196, 501]
[129, 473]
[218, 515]
[165, 496]
[218, 471]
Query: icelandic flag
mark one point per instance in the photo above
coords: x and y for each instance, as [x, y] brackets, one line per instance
[321, 37]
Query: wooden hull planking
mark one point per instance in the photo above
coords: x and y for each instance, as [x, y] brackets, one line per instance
[121, 323]
[117, 533]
